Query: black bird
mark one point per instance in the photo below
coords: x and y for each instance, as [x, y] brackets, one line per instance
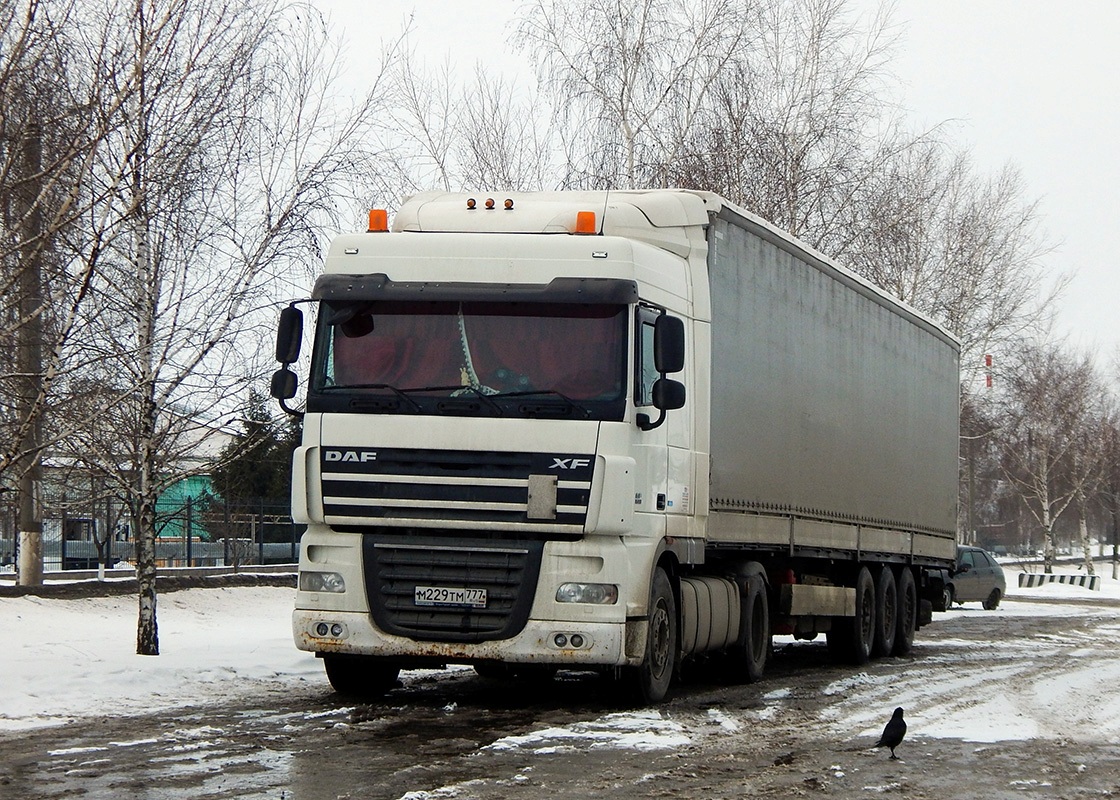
[893, 733]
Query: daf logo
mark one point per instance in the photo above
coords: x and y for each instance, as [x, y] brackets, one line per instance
[569, 463]
[350, 455]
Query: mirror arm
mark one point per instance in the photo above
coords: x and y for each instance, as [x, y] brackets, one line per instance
[295, 412]
[646, 425]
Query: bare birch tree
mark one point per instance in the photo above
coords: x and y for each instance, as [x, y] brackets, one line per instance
[60, 96]
[1110, 487]
[233, 159]
[504, 140]
[799, 121]
[627, 80]
[966, 249]
[1052, 408]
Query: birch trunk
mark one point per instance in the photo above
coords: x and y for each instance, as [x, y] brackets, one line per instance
[147, 285]
[1083, 530]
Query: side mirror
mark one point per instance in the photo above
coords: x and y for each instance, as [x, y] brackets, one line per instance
[668, 394]
[289, 336]
[668, 344]
[283, 385]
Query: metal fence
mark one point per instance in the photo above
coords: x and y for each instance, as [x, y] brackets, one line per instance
[205, 533]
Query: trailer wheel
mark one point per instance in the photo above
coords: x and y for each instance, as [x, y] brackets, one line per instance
[852, 638]
[364, 677]
[650, 681]
[907, 612]
[751, 650]
[886, 612]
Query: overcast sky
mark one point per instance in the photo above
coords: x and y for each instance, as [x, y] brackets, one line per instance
[1024, 81]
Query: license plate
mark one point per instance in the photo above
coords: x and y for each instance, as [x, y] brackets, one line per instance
[449, 596]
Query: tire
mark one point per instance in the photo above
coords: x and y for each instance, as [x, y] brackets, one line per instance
[851, 639]
[907, 612]
[363, 677]
[886, 613]
[751, 650]
[992, 603]
[649, 682]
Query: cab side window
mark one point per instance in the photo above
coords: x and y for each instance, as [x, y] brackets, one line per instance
[647, 373]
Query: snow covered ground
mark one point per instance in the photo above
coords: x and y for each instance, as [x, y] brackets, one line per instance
[64, 659]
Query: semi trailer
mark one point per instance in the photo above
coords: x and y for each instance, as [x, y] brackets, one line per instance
[611, 431]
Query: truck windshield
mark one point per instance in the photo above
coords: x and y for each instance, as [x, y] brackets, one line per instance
[502, 359]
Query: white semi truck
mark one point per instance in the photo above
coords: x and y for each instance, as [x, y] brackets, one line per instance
[611, 431]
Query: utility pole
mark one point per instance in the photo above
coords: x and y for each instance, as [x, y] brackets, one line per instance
[29, 359]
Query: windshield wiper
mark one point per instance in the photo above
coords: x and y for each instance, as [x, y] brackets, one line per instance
[401, 393]
[530, 392]
[468, 388]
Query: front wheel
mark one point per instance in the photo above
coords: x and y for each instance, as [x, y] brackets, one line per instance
[650, 681]
[363, 677]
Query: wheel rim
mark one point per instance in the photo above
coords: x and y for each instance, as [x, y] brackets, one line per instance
[889, 603]
[659, 639]
[758, 635]
[867, 616]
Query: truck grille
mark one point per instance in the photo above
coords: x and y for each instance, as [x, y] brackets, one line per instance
[430, 488]
[506, 570]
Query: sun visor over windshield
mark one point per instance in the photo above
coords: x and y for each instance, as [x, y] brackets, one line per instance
[559, 290]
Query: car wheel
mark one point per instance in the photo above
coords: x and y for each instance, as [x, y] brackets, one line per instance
[992, 603]
[947, 597]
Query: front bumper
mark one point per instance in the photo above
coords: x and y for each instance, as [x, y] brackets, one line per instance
[601, 644]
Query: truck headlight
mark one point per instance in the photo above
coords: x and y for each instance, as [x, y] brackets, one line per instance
[321, 582]
[600, 594]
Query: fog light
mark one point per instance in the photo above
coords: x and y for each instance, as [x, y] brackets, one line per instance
[336, 630]
[560, 640]
[576, 641]
[322, 629]
[321, 582]
[602, 594]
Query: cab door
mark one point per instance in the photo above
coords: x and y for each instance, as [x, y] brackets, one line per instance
[651, 450]
[663, 420]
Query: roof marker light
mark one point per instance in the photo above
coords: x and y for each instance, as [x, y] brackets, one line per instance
[378, 220]
[471, 203]
[509, 204]
[585, 222]
[489, 203]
